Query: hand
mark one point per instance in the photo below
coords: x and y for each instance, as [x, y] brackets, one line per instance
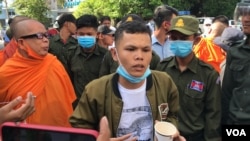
[8, 113]
[124, 137]
[176, 136]
[104, 134]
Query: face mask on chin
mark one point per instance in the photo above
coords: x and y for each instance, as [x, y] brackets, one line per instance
[181, 48]
[123, 72]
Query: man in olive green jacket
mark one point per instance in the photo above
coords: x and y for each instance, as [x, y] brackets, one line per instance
[131, 97]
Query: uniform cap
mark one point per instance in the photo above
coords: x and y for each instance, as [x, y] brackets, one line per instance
[187, 25]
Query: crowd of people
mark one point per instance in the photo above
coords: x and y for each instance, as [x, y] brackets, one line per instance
[114, 79]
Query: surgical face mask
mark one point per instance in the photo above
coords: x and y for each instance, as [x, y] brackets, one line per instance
[181, 48]
[86, 41]
[123, 72]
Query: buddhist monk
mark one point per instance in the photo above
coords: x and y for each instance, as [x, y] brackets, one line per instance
[8, 51]
[33, 69]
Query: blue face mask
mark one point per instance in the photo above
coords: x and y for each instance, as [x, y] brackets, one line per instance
[86, 41]
[181, 48]
[121, 71]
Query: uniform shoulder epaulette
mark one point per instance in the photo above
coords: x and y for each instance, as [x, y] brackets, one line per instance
[168, 59]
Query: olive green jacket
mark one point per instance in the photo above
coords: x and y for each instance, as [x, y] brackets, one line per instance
[101, 97]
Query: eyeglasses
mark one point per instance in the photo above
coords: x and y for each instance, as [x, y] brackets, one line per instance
[37, 35]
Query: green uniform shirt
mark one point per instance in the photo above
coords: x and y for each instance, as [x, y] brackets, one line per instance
[61, 50]
[236, 85]
[85, 67]
[109, 65]
[200, 98]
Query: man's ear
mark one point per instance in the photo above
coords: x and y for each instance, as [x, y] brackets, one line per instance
[114, 53]
[197, 40]
[99, 35]
[165, 24]
[20, 42]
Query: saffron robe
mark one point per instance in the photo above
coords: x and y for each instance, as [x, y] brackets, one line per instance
[48, 81]
[8, 51]
[210, 53]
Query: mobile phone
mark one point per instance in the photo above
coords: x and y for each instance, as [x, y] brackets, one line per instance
[11, 131]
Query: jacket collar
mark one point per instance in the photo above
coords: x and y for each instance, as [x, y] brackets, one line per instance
[115, 84]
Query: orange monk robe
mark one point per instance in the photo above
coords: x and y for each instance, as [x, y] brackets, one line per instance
[8, 51]
[48, 81]
[209, 52]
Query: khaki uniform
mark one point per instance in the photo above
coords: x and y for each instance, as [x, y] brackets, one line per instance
[200, 99]
[61, 50]
[236, 86]
[85, 67]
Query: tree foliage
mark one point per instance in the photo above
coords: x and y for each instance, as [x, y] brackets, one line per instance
[118, 8]
[36, 9]
[60, 3]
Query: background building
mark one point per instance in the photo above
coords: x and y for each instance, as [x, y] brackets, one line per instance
[7, 11]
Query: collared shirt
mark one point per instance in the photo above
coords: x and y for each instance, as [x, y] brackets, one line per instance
[85, 67]
[200, 97]
[163, 51]
[60, 49]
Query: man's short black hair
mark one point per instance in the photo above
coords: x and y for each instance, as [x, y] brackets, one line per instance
[222, 19]
[132, 27]
[163, 13]
[66, 17]
[87, 20]
[104, 18]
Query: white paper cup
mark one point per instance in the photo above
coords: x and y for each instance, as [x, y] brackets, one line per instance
[164, 131]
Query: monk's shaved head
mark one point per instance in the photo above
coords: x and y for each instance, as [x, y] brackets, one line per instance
[25, 27]
[15, 20]
[216, 29]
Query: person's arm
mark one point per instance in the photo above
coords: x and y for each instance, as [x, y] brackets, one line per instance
[7, 112]
[228, 84]
[154, 61]
[212, 109]
[105, 67]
